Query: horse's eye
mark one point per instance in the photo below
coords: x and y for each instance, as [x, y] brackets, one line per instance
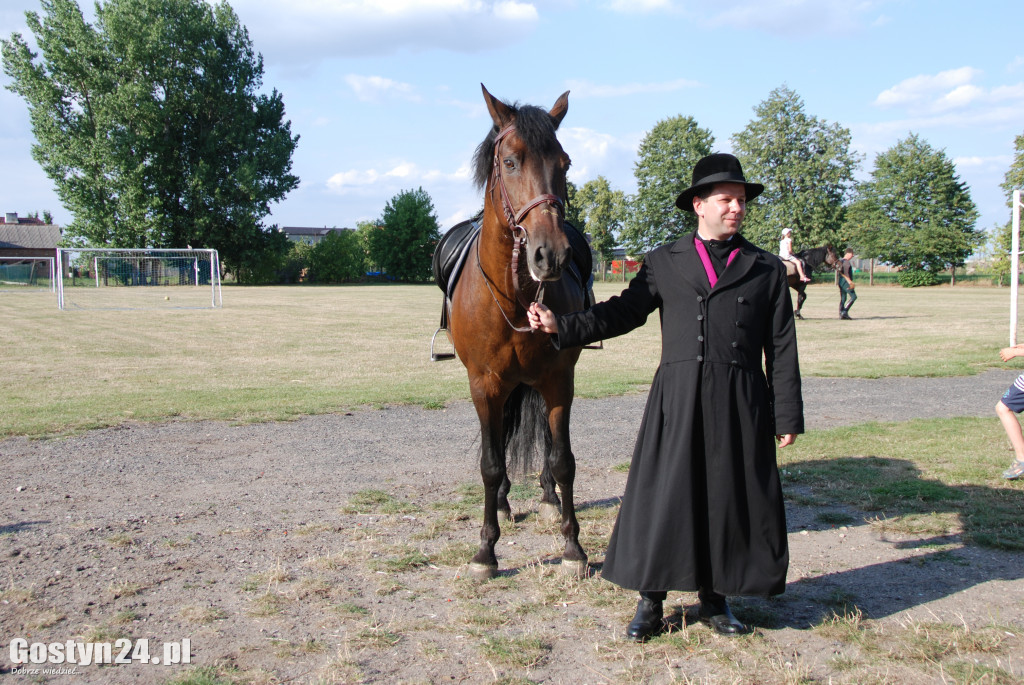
[510, 163]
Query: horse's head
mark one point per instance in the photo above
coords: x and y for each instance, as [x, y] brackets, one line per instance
[831, 257]
[522, 167]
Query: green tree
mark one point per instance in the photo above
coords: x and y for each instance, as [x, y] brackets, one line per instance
[922, 212]
[603, 211]
[338, 258]
[404, 244]
[573, 213]
[150, 124]
[807, 170]
[664, 168]
[1002, 237]
[365, 236]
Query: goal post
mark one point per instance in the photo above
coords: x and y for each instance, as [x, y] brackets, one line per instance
[28, 273]
[1014, 266]
[109, 278]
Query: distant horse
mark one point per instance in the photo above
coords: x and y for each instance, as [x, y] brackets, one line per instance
[812, 258]
[522, 387]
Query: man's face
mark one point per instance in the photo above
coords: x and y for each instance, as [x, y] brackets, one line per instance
[721, 214]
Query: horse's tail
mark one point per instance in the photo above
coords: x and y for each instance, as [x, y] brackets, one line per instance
[526, 429]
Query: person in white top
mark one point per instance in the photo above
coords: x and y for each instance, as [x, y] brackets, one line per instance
[786, 253]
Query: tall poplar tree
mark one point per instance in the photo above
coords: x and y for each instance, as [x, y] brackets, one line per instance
[151, 125]
[664, 169]
[603, 211]
[807, 169]
[1002, 240]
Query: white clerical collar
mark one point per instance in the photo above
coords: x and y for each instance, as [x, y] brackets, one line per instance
[707, 239]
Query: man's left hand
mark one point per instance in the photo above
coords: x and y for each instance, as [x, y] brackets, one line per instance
[786, 440]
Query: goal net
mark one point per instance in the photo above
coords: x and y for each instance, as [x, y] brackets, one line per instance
[100, 278]
[27, 273]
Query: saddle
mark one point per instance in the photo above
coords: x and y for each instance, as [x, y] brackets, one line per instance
[791, 267]
[452, 252]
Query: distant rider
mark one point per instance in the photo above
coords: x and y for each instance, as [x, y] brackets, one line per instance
[786, 253]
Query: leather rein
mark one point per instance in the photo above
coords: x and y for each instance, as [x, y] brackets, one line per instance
[519, 234]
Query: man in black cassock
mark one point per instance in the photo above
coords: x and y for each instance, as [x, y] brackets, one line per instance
[702, 510]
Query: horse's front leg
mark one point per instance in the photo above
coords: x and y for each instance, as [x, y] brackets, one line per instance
[561, 463]
[489, 403]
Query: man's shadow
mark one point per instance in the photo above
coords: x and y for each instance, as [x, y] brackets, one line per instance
[990, 546]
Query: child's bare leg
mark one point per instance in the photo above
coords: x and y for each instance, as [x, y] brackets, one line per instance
[1012, 427]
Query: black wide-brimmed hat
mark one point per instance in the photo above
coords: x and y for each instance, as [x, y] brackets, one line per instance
[717, 168]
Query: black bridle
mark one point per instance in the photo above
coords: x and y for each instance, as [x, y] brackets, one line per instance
[519, 233]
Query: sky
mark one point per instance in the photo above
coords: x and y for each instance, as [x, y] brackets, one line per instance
[385, 94]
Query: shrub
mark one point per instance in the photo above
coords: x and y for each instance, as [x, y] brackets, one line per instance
[912, 278]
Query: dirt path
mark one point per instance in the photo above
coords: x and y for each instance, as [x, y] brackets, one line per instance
[235, 537]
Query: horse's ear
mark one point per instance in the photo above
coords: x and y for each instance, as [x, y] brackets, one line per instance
[560, 108]
[501, 114]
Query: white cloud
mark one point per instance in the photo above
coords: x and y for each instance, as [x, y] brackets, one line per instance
[799, 18]
[600, 154]
[386, 183]
[376, 88]
[926, 88]
[987, 163]
[344, 180]
[935, 95]
[586, 89]
[641, 6]
[310, 31]
[515, 11]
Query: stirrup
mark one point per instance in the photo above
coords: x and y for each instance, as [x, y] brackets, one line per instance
[441, 356]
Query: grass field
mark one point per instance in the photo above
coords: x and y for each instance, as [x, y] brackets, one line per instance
[277, 352]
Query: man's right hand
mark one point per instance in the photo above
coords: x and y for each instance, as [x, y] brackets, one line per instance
[541, 318]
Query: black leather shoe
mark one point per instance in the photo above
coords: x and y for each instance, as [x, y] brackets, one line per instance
[715, 612]
[647, 622]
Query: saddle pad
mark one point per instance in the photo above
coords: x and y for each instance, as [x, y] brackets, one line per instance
[450, 254]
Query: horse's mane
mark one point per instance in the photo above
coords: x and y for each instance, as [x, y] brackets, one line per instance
[803, 254]
[814, 256]
[533, 126]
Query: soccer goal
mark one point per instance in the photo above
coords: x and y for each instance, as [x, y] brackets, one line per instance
[28, 273]
[101, 278]
[1014, 265]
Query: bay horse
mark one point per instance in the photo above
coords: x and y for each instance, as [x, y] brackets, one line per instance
[522, 386]
[812, 258]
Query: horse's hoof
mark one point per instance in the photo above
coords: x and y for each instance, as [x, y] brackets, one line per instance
[549, 512]
[505, 516]
[480, 571]
[575, 567]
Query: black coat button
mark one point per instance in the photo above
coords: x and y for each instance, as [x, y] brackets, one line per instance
[740, 299]
[700, 338]
[700, 358]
